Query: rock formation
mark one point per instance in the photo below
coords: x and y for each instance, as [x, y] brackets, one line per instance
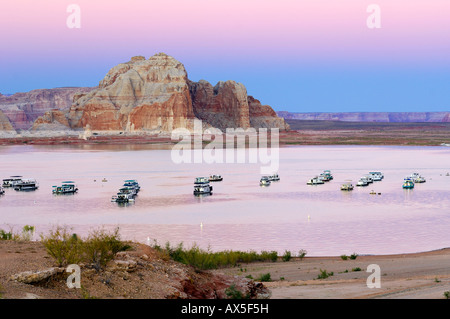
[142, 95]
[5, 124]
[22, 109]
[403, 117]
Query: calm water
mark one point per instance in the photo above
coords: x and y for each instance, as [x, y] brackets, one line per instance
[240, 214]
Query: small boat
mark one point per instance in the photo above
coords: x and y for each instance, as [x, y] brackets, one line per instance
[201, 180]
[133, 184]
[12, 181]
[122, 198]
[202, 187]
[417, 178]
[66, 188]
[26, 185]
[215, 178]
[264, 181]
[274, 178]
[327, 174]
[445, 144]
[376, 176]
[347, 186]
[373, 192]
[2, 191]
[408, 183]
[315, 181]
[362, 182]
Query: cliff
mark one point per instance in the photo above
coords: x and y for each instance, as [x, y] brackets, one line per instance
[390, 117]
[141, 95]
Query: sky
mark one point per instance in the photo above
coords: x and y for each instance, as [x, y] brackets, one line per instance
[295, 55]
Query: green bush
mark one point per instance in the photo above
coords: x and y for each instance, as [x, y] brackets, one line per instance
[206, 259]
[64, 247]
[344, 257]
[356, 269]
[302, 254]
[264, 277]
[97, 249]
[353, 256]
[233, 293]
[447, 294]
[286, 256]
[324, 274]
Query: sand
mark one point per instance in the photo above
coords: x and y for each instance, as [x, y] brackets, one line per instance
[405, 276]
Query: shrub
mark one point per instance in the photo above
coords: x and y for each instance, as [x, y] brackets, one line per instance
[447, 294]
[324, 274]
[302, 254]
[287, 255]
[264, 277]
[64, 247]
[353, 256]
[233, 293]
[356, 269]
[344, 257]
[100, 247]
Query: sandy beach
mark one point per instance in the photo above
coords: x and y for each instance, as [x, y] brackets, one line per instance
[423, 275]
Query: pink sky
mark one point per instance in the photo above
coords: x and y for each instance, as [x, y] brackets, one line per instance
[328, 28]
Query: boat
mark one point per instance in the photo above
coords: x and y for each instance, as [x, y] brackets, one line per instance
[201, 186]
[123, 198]
[26, 185]
[347, 186]
[445, 144]
[417, 178]
[376, 176]
[215, 178]
[274, 178]
[408, 183]
[2, 191]
[12, 181]
[327, 174]
[133, 184]
[362, 182]
[315, 181]
[201, 180]
[264, 181]
[66, 188]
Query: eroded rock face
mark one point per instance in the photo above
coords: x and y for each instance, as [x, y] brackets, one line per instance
[5, 124]
[22, 109]
[141, 94]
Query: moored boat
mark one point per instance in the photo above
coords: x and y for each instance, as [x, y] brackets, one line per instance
[2, 191]
[122, 198]
[408, 183]
[274, 178]
[347, 186]
[12, 181]
[26, 185]
[215, 178]
[264, 181]
[315, 181]
[67, 187]
[133, 184]
[201, 186]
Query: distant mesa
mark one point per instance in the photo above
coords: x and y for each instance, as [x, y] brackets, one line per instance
[142, 95]
[390, 117]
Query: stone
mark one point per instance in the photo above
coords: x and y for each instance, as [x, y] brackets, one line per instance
[33, 277]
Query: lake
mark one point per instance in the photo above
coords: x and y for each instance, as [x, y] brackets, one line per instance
[287, 215]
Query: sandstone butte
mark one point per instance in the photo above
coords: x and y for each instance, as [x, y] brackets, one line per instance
[143, 95]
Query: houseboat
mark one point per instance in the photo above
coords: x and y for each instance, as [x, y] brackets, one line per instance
[12, 181]
[66, 188]
[202, 187]
[215, 178]
[26, 185]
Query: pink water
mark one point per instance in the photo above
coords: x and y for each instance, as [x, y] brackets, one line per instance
[288, 215]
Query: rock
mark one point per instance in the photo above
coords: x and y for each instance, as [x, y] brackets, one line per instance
[263, 116]
[124, 265]
[5, 124]
[23, 109]
[149, 95]
[33, 277]
[398, 117]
